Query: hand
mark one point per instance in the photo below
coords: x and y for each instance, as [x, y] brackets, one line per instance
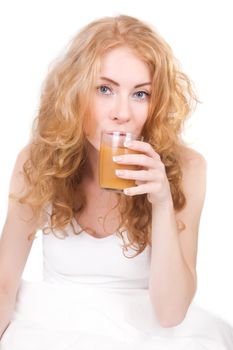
[151, 178]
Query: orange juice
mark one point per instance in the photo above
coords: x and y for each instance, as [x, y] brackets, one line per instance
[107, 177]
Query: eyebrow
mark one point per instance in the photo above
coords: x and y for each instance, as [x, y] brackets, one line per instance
[117, 84]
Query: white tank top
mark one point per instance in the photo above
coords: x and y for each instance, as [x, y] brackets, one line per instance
[85, 259]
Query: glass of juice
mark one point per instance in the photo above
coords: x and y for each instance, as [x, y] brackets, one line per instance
[112, 144]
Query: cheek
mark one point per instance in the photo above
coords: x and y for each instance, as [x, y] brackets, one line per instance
[89, 126]
[100, 109]
[91, 121]
[92, 132]
[141, 120]
[96, 114]
[141, 109]
[142, 116]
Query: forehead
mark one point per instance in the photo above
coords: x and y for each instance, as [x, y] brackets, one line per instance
[123, 65]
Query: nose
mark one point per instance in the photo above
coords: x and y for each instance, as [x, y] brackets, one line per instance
[121, 111]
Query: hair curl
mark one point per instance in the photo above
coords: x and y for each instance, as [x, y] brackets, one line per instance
[57, 149]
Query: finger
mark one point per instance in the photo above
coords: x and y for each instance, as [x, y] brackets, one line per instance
[138, 182]
[141, 175]
[143, 147]
[141, 189]
[138, 159]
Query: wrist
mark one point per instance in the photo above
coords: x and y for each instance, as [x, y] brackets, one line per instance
[163, 205]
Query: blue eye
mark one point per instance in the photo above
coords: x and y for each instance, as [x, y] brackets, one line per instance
[141, 95]
[105, 90]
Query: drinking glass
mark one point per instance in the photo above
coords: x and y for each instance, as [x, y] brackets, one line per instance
[112, 144]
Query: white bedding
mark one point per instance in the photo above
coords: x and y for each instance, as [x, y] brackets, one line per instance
[69, 317]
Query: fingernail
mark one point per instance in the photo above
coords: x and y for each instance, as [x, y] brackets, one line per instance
[119, 172]
[116, 159]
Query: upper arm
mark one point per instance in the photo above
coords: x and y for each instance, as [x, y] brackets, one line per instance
[194, 187]
[14, 243]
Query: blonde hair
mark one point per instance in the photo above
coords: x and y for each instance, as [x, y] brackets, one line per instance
[57, 149]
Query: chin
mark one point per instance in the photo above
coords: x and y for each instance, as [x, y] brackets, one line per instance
[94, 143]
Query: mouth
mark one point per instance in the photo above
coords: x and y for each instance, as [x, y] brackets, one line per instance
[117, 132]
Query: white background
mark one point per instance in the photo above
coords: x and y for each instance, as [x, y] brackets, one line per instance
[33, 33]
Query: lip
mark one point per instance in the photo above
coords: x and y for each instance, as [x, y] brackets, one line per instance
[117, 132]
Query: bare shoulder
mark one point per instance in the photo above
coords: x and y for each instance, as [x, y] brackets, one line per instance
[194, 167]
[21, 158]
[17, 183]
[191, 158]
[23, 155]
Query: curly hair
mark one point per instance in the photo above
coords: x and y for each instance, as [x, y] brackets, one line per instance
[55, 167]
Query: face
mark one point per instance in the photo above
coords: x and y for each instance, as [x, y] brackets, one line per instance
[121, 95]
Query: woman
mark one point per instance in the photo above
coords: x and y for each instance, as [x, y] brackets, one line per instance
[118, 74]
